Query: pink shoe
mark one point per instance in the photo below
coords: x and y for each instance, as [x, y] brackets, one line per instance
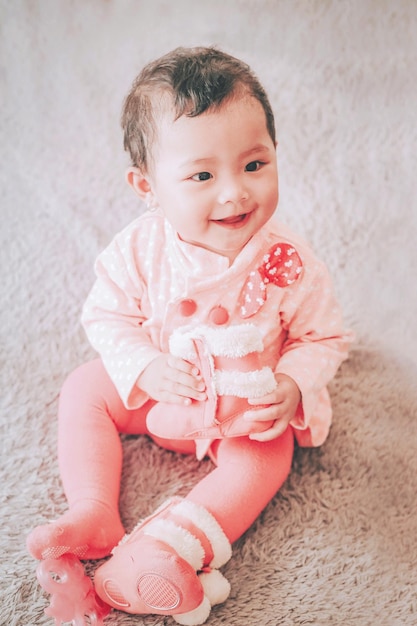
[228, 358]
[164, 566]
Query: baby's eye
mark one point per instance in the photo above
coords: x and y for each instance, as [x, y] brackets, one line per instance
[253, 166]
[202, 176]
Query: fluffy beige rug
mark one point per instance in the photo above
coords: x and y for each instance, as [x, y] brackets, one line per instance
[338, 545]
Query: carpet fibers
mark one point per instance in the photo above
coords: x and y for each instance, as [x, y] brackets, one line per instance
[337, 546]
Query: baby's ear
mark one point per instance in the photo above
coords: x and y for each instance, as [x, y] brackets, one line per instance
[139, 183]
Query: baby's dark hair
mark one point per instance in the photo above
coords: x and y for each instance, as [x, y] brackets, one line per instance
[195, 80]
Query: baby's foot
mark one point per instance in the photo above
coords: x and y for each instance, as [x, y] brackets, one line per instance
[89, 530]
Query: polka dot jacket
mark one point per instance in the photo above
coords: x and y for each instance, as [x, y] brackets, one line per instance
[149, 283]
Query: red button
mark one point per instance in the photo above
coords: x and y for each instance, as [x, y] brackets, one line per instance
[219, 316]
[187, 307]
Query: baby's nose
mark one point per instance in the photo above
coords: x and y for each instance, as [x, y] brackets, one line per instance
[233, 191]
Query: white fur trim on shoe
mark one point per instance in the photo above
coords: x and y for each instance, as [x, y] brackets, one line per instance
[180, 539]
[196, 617]
[205, 521]
[254, 384]
[216, 586]
[216, 590]
[143, 522]
[229, 341]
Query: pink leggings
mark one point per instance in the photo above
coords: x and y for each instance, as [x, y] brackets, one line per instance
[91, 416]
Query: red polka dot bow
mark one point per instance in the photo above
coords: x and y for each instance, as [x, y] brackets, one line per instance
[281, 266]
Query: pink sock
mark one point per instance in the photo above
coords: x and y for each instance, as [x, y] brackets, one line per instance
[91, 415]
[90, 460]
[247, 476]
[89, 530]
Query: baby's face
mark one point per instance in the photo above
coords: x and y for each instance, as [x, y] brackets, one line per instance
[215, 176]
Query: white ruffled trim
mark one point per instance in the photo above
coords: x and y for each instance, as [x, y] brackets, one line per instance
[196, 617]
[180, 539]
[229, 341]
[216, 590]
[253, 384]
[205, 521]
[216, 586]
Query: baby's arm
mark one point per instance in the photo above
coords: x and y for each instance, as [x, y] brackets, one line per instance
[315, 346]
[116, 325]
[117, 328]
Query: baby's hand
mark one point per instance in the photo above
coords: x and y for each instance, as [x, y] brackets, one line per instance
[171, 379]
[283, 403]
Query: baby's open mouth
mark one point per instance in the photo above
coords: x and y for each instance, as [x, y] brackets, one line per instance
[234, 219]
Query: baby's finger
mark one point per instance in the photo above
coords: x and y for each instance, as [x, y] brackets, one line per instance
[275, 431]
[185, 387]
[265, 414]
[185, 380]
[183, 366]
[185, 373]
[275, 397]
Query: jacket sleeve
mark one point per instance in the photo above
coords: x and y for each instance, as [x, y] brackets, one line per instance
[114, 323]
[316, 340]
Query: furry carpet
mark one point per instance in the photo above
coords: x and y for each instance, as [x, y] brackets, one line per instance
[338, 544]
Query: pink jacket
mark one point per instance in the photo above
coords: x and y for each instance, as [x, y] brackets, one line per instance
[150, 283]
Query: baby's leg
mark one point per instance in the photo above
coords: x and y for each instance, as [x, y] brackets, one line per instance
[157, 570]
[247, 476]
[91, 415]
